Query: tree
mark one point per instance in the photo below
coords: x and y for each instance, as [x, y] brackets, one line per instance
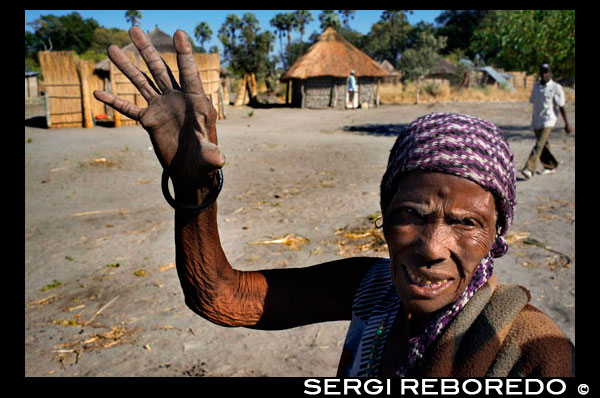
[458, 26]
[202, 33]
[227, 32]
[284, 23]
[104, 37]
[133, 17]
[388, 37]
[68, 32]
[303, 17]
[417, 62]
[296, 50]
[523, 39]
[247, 49]
[329, 18]
[347, 15]
[398, 21]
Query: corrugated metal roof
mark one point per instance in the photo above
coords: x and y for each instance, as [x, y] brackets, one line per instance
[500, 77]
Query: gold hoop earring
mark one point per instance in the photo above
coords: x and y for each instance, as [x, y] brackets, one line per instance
[379, 222]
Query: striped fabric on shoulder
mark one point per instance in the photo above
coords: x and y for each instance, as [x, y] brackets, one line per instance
[375, 305]
[371, 288]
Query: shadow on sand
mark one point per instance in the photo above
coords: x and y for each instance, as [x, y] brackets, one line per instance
[511, 132]
[36, 121]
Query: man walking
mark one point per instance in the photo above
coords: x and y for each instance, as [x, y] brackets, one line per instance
[547, 96]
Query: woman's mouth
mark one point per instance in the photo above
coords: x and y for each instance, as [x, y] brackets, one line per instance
[427, 282]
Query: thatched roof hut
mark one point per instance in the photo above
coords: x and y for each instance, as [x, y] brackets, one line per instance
[444, 73]
[393, 75]
[319, 76]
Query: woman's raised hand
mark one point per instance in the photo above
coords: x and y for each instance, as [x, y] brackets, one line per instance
[180, 119]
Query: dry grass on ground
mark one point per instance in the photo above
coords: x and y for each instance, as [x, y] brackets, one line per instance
[397, 94]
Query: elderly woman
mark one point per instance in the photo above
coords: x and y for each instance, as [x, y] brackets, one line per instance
[434, 308]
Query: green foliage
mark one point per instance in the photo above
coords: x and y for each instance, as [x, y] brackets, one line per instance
[433, 89]
[388, 37]
[303, 17]
[245, 47]
[31, 64]
[92, 55]
[133, 16]
[104, 37]
[416, 62]
[283, 24]
[458, 26]
[202, 33]
[329, 18]
[295, 51]
[523, 39]
[346, 16]
[68, 32]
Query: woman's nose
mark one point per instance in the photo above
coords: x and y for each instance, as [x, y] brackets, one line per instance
[433, 243]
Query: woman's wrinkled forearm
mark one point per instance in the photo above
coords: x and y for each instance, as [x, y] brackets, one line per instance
[212, 288]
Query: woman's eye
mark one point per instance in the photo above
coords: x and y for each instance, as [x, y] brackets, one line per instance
[409, 211]
[468, 222]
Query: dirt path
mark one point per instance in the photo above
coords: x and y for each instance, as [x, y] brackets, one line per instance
[99, 237]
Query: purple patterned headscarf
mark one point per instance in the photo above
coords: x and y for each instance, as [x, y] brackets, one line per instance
[467, 147]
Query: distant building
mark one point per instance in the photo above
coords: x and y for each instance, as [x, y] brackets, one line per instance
[31, 85]
[443, 73]
[318, 78]
[393, 75]
[493, 77]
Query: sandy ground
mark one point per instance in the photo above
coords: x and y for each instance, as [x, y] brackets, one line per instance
[102, 297]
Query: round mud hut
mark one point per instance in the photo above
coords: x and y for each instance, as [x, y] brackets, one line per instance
[318, 79]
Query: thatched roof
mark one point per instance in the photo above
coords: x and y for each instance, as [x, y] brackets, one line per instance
[332, 55]
[444, 67]
[389, 68]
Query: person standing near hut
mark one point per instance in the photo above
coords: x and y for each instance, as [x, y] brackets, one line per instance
[547, 96]
[351, 90]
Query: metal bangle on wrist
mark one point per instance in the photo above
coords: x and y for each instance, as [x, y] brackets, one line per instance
[208, 200]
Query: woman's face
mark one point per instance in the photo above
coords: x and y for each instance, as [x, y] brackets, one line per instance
[438, 228]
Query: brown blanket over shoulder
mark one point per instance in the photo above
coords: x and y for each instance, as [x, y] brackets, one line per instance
[499, 334]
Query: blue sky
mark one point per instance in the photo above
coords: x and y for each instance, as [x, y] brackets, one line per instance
[171, 20]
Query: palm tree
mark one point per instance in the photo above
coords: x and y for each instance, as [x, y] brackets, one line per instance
[227, 32]
[302, 18]
[284, 23]
[203, 33]
[329, 18]
[133, 17]
[347, 15]
[278, 23]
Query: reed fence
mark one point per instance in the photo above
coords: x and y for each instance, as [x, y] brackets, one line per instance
[69, 84]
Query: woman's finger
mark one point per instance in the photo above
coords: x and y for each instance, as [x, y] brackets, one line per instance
[156, 65]
[137, 78]
[188, 71]
[125, 107]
